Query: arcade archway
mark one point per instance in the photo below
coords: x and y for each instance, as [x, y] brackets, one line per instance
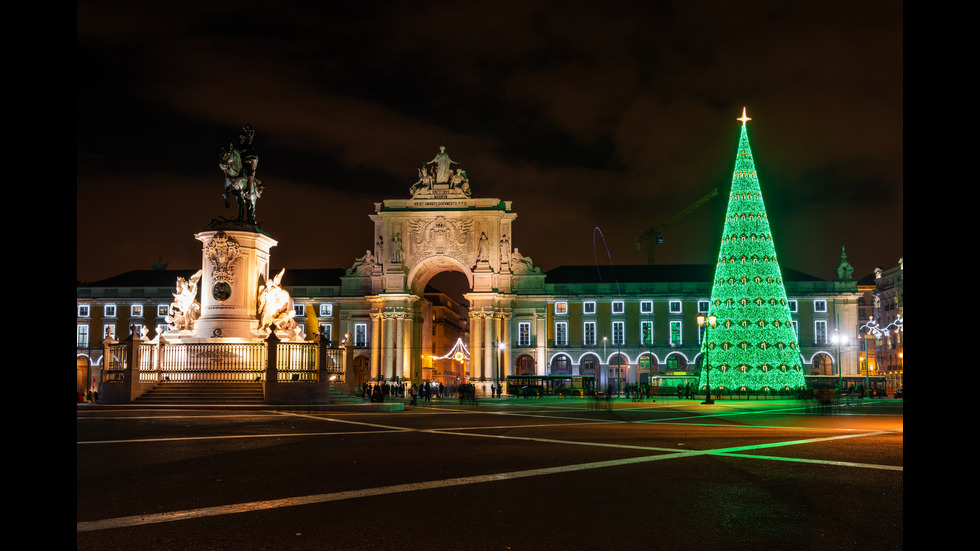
[822, 364]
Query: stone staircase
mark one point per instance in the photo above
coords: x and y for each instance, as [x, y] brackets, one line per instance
[220, 394]
[203, 394]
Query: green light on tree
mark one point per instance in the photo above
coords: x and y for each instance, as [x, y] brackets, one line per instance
[753, 346]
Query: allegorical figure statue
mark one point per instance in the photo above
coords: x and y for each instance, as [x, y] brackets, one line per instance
[276, 310]
[443, 165]
[482, 252]
[185, 309]
[239, 164]
[521, 264]
[364, 263]
[396, 249]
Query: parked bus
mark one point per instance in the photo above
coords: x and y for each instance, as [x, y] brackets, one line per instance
[550, 385]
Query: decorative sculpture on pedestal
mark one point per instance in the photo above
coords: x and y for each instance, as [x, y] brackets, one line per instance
[185, 309]
[239, 165]
[521, 264]
[276, 311]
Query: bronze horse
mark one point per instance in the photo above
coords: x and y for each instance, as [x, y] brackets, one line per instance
[240, 182]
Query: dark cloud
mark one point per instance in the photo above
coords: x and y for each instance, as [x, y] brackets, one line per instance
[612, 115]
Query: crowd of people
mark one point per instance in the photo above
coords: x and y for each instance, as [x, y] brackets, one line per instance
[466, 392]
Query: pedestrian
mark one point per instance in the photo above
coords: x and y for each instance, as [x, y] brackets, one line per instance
[412, 393]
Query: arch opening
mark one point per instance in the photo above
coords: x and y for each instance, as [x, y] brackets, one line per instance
[438, 268]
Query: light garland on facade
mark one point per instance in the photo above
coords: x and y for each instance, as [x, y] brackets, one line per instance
[754, 345]
[459, 352]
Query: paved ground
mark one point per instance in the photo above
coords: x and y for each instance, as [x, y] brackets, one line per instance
[512, 474]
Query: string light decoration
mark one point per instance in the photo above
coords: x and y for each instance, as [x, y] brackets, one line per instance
[754, 345]
[459, 352]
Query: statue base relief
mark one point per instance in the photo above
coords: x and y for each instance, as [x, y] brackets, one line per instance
[235, 264]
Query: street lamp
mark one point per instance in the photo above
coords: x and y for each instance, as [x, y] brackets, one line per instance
[839, 339]
[605, 339]
[703, 323]
[498, 373]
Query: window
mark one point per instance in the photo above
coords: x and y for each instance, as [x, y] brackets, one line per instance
[820, 332]
[618, 307]
[588, 307]
[109, 310]
[360, 334]
[589, 339]
[703, 306]
[300, 309]
[109, 331]
[136, 328]
[136, 311]
[820, 306]
[561, 308]
[525, 365]
[326, 310]
[83, 311]
[588, 366]
[792, 305]
[326, 333]
[646, 332]
[675, 333]
[561, 365]
[646, 307]
[561, 333]
[675, 307]
[162, 310]
[81, 336]
[618, 331]
[524, 334]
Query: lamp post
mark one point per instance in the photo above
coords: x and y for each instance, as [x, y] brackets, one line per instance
[619, 365]
[605, 339]
[839, 339]
[498, 373]
[703, 323]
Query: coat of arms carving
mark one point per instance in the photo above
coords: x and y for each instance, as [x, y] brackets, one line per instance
[439, 236]
[222, 252]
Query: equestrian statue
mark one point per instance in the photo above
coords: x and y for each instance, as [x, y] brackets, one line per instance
[239, 164]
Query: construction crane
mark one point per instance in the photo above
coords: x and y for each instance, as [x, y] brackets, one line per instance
[651, 232]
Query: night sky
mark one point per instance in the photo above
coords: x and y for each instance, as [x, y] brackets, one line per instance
[584, 114]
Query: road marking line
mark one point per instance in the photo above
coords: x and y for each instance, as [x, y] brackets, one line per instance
[139, 520]
[235, 436]
[202, 512]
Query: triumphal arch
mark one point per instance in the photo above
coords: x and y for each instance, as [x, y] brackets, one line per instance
[441, 228]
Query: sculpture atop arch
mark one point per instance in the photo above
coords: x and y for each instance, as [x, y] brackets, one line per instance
[437, 179]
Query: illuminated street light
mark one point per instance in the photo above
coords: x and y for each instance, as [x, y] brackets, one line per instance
[703, 322]
[839, 339]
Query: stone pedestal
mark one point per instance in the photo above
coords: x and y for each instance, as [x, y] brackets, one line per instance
[235, 264]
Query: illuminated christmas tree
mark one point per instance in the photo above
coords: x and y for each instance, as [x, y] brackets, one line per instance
[753, 344]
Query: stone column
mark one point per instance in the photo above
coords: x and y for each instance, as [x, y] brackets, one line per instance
[409, 353]
[375, 345]
[476, 343]
[489, 346]
[389, 346]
